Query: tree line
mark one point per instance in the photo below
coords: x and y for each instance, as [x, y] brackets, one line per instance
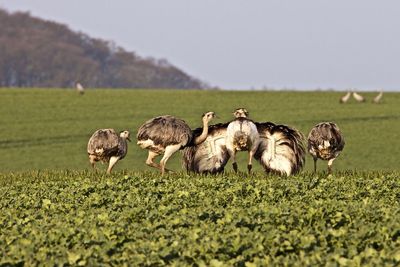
[39, 53]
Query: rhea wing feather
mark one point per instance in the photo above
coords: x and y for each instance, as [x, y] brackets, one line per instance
[103, 142]
[165, 130]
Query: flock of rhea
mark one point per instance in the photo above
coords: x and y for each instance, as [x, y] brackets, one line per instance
[279, 149]
[359, 98]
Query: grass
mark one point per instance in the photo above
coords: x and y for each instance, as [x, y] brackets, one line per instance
[49, 128]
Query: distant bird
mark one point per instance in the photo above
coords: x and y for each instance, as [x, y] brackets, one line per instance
[242, 135]
[325, 141]
[80, 89]
[358, 97]
[345, 98]
[108, 146]
[168, 134]
[209, 156]
[281, 149]
[378, 99]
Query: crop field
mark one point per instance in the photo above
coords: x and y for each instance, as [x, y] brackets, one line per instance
[55, 210]
[80, 218]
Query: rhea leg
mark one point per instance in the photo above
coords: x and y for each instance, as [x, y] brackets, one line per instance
[249, 165]
[111, 164]
[150, 160]
[315, 165]
[169, 151]
[92, 159]
[330, 162]
[232, 155]
[251, 155]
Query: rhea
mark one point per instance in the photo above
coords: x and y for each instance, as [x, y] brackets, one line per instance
[358, 97]
[326, 142]
[242, 135]
[345, 98]
[281, 150]
[80, 89]
[107, 146]
[168, 134]
[377, 99]
[209, 156]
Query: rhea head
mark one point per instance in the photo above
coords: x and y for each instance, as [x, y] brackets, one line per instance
[241, 113]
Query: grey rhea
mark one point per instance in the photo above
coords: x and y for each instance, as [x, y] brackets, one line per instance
[345, 98]
[281, 150]
[242, 135]
[168, 134]
[377, 99]
[209, 156]
[326, 142]
[358, 97]
[107, 146]
[79, 88]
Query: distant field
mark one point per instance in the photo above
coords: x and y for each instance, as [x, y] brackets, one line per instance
[49, 128]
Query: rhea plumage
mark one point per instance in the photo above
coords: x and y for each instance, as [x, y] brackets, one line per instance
[345, 98]
[281, 149]
[358, 97]
[326, 142]
[242, 135]
[168, 134]
[377, 99]
[107, 146]
[211, 155]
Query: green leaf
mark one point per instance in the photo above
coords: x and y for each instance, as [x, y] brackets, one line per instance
[73, 257]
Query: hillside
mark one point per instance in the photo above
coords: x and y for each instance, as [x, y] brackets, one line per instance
[39, 53]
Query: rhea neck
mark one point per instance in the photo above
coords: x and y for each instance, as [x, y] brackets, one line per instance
[203, 136]
[124, 142]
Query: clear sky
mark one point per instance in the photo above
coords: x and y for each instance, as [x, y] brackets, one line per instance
[238, 44]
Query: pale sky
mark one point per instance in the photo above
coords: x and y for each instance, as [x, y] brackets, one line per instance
[238, 44]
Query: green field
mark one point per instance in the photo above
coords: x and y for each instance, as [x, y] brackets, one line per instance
[49, 129]
[56, 211]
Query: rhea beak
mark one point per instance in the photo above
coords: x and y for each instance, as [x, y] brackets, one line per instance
[128, 139]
